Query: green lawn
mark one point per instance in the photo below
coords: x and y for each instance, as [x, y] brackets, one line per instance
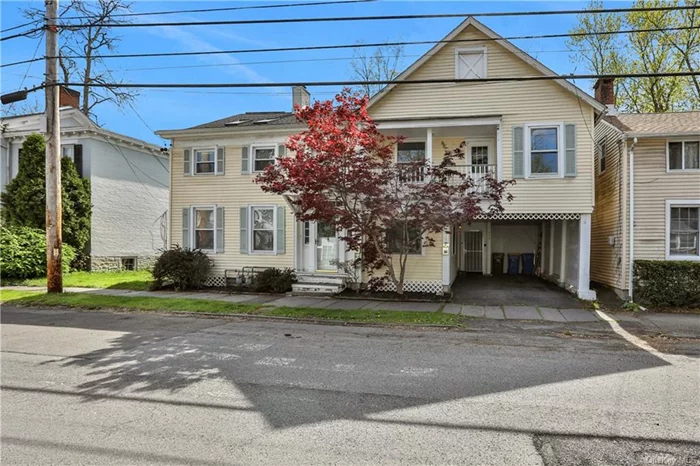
[92, 301]
[120, 280]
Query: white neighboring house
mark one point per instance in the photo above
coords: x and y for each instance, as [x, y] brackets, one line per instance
[129, 181]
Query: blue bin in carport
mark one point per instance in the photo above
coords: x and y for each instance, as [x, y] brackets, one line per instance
[528, 263]
[513, 264]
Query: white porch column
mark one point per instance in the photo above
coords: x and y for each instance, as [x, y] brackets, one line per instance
[499, 152]
[562, 264]
[584, 258]
[551, 246]
[429, 146]
[542, 246]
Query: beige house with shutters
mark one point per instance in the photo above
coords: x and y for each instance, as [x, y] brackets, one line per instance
[538, 132]
[647, 192]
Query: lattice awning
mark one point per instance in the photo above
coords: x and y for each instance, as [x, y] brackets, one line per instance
[531, 216]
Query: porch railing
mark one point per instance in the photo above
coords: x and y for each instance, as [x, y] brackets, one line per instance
[412, 174]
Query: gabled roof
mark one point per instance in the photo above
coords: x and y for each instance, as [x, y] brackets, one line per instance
[251, 119]
[470, 21]
[656, 124]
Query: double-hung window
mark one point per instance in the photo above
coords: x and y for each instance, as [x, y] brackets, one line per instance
[396, 238]
[203, 228]
[408, 153]
[262, 157]
[544, 150]
[683, 230]
[204, 161]
[263, 229]
[684, 155]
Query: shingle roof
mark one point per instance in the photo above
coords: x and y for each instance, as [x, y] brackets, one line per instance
[251, 119]
[660, 124]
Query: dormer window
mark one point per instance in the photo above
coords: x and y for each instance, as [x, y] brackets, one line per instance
[470, 63]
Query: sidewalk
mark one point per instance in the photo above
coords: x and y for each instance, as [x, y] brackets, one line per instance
[683, 322]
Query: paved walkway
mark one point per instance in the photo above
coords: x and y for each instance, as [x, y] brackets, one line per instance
[680, 321]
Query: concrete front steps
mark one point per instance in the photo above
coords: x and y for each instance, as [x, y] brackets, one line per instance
[318, 284]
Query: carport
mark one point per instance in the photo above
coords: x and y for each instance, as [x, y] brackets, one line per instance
[511, 290]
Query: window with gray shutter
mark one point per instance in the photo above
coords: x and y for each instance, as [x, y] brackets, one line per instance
[186, 228]
[78, 159]
[245, 160]
[187, 161]
[518, 156]
[281, 150]
[570, 148]
[219, 229]
[243, 220]
[280, 236]
[220, 160]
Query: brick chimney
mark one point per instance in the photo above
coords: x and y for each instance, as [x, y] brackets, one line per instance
[68, 98]
[605, 93]
[300, 96]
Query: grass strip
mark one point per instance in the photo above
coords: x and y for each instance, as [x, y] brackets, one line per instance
[92, 301]
[119, 280]
[168, 304]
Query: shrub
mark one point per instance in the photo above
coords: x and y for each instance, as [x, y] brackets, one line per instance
[183, 268]
[23, 253]
[24, 201]
[667, 283]
[273, 280]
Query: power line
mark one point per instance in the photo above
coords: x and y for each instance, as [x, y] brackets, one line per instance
[30, 66]
[237, 8]
[383, 18]
[32, 60]
[21, 34]
[21, 26]
[383, 81]
[377, 44]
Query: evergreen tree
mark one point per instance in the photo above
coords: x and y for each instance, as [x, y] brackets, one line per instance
[24, 202]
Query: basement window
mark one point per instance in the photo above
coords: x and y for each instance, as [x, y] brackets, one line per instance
[128, 263]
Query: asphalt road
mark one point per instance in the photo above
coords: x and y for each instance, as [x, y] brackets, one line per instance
[101, 388]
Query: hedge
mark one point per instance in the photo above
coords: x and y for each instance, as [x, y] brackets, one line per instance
[23, 253]
[667, 283]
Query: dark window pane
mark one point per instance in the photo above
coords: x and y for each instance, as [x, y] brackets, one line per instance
[204, 239]
[543, 139]
[411, 152]
[206, 167]
[395, 241]
[544, 162]
[675, 155]
[692, 155]
[263, 240]
[261, 164]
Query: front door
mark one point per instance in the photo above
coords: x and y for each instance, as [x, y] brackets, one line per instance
[473, 251]
[326, 248]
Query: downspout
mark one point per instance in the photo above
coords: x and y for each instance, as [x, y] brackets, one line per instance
[631, 222]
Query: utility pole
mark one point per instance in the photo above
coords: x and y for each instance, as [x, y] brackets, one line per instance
[54, 273]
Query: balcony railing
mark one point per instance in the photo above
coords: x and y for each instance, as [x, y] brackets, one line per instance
[416, 174]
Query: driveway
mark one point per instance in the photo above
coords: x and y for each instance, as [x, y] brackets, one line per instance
[511, 290]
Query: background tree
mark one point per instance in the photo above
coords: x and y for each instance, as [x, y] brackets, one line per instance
[341, 171]
[643, 52]
[24, 202]
[90, 38]
[381, 65]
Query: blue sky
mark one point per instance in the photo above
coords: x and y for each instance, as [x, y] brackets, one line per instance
[169, 109]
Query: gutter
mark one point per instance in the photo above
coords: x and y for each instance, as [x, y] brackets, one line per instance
[631, 221]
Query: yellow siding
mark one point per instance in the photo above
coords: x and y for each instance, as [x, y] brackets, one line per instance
[232, 190]
[427, 266]
[517, 103]
[609, 263]
[652, 187]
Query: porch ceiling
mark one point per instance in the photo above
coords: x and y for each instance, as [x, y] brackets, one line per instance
[480, 131]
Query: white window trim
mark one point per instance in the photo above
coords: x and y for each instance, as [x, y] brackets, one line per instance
[193, 230]
[527, 127]
[602, 149]
[678, 203]
[193, 160]
[483, 50]
[668, 154]
[254, 147]
[251, 246]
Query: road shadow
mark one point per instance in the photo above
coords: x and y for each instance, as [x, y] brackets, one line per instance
[165, 353]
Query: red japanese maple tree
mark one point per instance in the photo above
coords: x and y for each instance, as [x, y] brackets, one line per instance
[342, 171]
